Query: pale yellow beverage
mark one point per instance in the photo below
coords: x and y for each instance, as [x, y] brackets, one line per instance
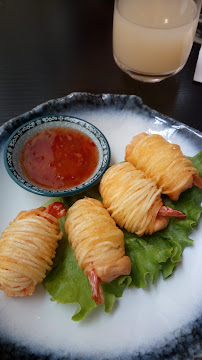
[153, 38]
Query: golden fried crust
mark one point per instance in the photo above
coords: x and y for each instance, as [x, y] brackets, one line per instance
[96, 240]
[27, 247]
[132, 200]
[135, 140]
[163, 162]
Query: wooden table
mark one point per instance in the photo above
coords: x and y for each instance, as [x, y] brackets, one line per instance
[50, 48]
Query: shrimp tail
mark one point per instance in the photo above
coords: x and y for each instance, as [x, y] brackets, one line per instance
[56, 209]
[197, 181]
[96, 287]
[167, 211]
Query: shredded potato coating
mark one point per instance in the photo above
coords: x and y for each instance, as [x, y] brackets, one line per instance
[96, 240]
[162, 162]
[27, 247]
[132, 200]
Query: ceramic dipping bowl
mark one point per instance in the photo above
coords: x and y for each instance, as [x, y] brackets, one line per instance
[17, 141]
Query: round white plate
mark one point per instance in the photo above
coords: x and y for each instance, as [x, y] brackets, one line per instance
[161, 322]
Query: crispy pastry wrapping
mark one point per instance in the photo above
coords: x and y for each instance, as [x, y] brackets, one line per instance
[27, 247]
[96, 240]
[132, 200]
[162, 162]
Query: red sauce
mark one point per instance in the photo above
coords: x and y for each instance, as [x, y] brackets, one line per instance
[59, 158]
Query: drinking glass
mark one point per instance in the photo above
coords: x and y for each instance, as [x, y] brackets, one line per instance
[152, 39]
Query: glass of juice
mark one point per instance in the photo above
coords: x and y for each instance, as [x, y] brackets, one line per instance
[152, 39]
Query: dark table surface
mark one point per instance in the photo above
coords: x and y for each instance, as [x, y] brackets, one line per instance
[50, 48]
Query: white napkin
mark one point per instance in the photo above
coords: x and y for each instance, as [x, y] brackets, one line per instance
[198, 70]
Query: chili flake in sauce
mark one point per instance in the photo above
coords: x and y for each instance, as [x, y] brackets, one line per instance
[59, 158]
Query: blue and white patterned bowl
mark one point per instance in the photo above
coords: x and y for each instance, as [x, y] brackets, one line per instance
[17, 140]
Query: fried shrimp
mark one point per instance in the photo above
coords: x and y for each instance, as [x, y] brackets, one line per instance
[164, 163]
[98, 244]
[134, 201]
[27, 247]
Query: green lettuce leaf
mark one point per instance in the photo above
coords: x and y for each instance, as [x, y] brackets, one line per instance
[114, 290]
[146, 258]
[151, 256]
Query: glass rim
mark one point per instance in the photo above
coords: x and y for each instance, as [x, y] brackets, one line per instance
[198, 14]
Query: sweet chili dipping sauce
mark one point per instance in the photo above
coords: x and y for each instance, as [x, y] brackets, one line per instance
[59, 158]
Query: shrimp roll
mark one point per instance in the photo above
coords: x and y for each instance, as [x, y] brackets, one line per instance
[27, 247]
[98, 244]
[132, 200]
[164, 163]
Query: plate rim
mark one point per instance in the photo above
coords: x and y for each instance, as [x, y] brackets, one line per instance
[102, 97]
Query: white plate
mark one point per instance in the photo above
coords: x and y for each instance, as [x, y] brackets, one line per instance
[162, 322]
